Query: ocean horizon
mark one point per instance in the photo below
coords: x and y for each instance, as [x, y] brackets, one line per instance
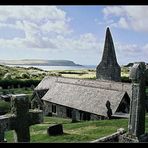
[83, 67]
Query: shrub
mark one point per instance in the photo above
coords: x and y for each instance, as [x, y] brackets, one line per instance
[125, 79]
[4, 107]
[25, 76]
[7, 76]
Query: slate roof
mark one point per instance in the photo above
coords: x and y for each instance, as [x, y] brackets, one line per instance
[46, 83]
[50, 81]
[85, 98]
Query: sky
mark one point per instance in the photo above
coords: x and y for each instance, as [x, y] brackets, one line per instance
[73, 32]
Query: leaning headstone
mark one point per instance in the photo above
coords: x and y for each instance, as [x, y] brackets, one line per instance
[55, 130]
[20, 119]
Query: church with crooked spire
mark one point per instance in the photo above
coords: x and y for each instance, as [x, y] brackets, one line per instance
[108, 69]
[81, 99]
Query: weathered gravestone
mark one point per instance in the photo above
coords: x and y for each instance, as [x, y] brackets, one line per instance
[55, 130]
[136, 125]
[75, 115]
[20, 118]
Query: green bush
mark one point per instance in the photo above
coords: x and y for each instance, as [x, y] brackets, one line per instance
[25, 76]
[7, 76]
[125, 79]
[4, 106]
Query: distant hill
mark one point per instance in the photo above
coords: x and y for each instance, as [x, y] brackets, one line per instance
[36, 62]
[129, 65]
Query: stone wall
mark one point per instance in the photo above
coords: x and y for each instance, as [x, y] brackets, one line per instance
[96, 117]
[126, 139]
[111, 138]
[61, 112]
[47, 108]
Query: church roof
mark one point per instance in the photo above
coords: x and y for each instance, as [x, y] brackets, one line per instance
[50, 81]
[46, 83]
[86, 98]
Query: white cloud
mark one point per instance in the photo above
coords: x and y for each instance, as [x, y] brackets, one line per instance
[36, 22]
[128, 49]
[122, 23]
[45, 27]
[31, 13]
[86, 42]
[112, 10]
[128, 17]
[57, 27]
[131, 52]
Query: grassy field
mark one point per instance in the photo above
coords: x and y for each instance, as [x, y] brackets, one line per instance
[80, 132]
[83, 131]
[7, 72]
[85, 74]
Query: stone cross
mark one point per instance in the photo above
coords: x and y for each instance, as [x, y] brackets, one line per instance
[136, 126]
[20, 118]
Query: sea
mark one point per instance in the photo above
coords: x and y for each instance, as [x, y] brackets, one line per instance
[84, 67]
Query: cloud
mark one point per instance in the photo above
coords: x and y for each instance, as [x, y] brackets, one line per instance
[128, 49]
[128, 17]
[85, 42]
[45, 27]
[36, 22]
[131, 52]
[32, 13]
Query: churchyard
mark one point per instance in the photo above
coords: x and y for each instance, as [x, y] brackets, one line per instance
[84, 131]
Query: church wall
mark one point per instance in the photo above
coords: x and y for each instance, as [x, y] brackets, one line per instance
[61, 112]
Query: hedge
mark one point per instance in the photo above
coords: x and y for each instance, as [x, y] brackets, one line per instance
[18, 83]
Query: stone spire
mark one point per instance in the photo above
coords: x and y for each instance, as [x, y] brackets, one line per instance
[108, 69]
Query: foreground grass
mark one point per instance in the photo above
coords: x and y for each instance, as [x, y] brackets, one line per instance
[80, 132]
[83, 131]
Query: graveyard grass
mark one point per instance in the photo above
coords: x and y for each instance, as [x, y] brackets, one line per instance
[80, 132]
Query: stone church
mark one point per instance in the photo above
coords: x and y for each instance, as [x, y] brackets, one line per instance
[105, 97]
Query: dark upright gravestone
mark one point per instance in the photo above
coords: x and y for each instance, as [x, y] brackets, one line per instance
[75, 116]
[20, 118]
[55, 130]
